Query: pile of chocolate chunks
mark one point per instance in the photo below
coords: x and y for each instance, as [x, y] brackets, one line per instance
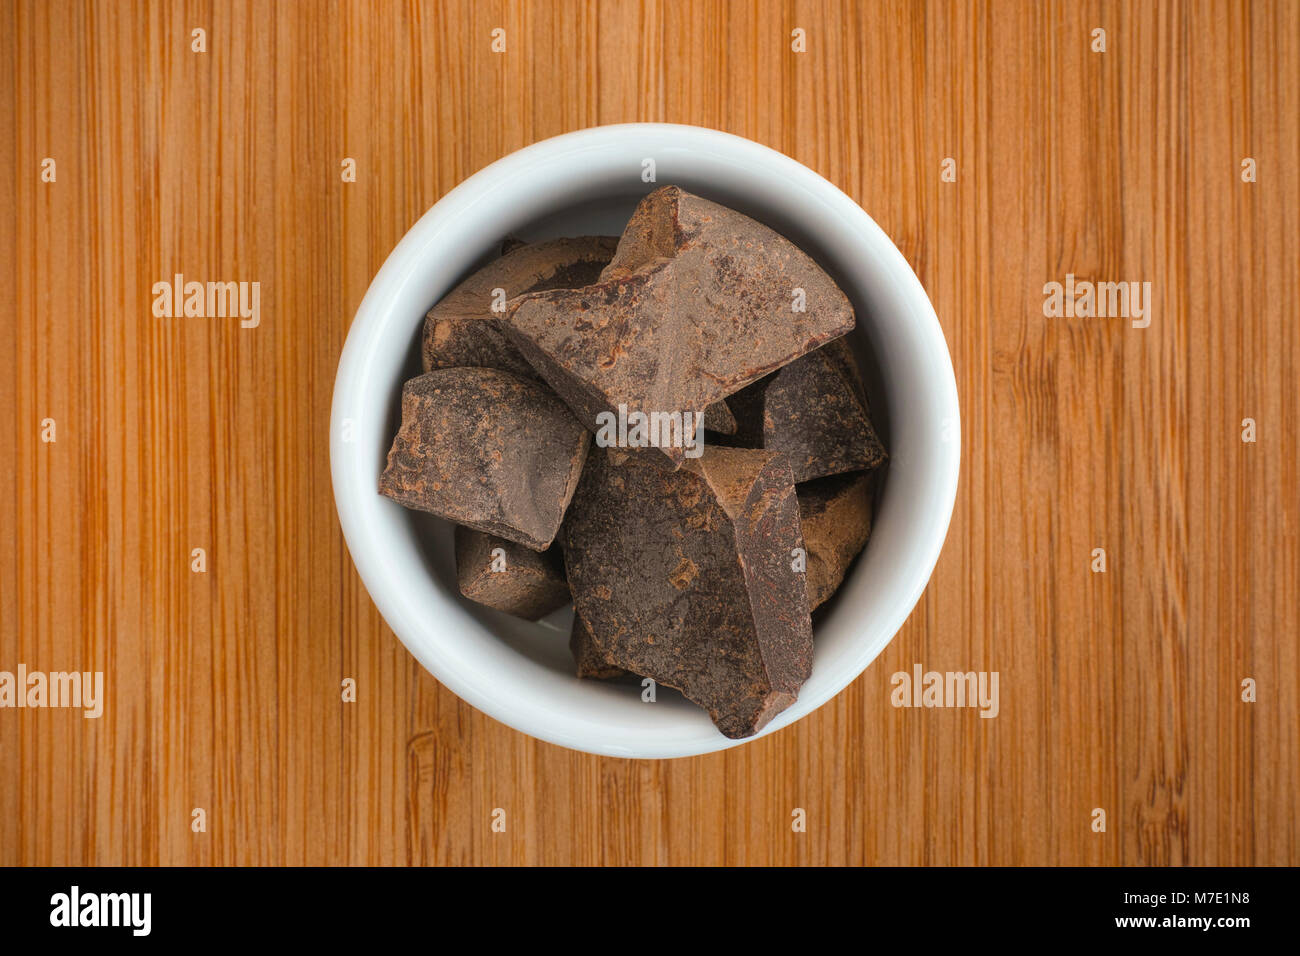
[696, 538]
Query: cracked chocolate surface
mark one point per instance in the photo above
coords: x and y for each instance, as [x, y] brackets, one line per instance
[685, 576]
[509, 577]
[463, 330]
[696, 304]
[486, 449]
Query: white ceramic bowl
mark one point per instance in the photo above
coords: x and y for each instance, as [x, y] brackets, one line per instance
[587, 183]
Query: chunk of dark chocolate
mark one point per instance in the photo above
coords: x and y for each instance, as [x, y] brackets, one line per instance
[487, 449]
[697, 303]
[508, 576]
[464, 328]
[718, 418]
[835, 514]
[814, 411]
[686, 577]
[590, 660]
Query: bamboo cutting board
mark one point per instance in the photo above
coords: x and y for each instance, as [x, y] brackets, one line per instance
[1120, 690]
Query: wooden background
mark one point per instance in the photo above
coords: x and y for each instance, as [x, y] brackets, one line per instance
[1118, 690]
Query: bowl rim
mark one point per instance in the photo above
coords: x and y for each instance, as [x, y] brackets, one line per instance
[352, 377]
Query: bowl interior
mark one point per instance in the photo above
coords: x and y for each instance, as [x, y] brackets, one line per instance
[546, 642]
[589, 183]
